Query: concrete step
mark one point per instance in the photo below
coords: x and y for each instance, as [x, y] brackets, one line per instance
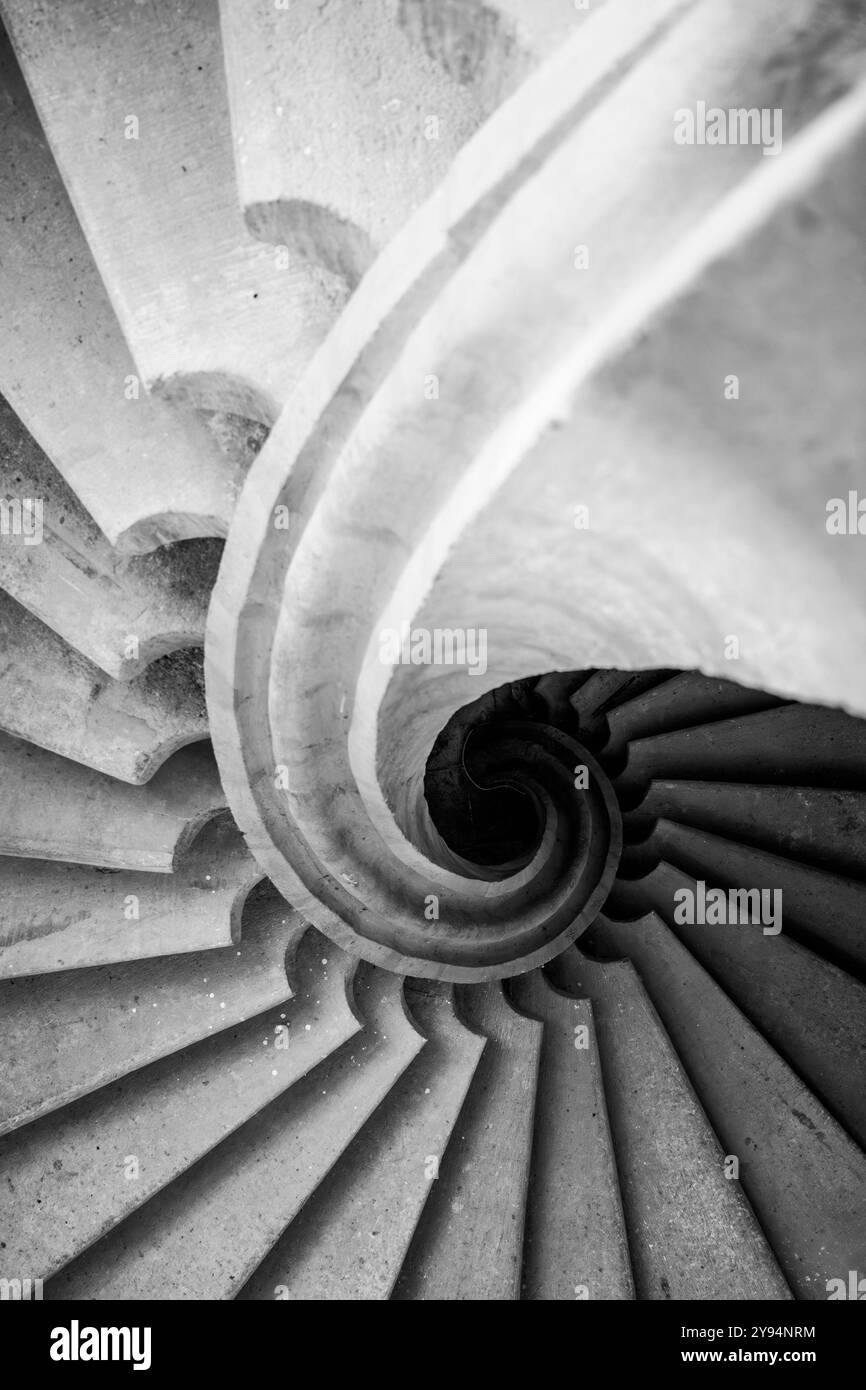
[346, 116]
[146, 473]
[804, 1176]
[824, 911]
[69, 916]
[61, 811]
[811, 1011]
[74, 1178]
[56, 699]
[65, 1035]
[605, 690]
[479, 1199]
[692, 1234]
[575, 1240]
[797, 745]
[133, 101]
[686, 699]
[350, 1239]
[552, 696]
[119, 612]
[814, 825]
[208, 1233]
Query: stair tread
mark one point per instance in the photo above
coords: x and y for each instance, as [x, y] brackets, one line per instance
[55, 809]
[685, 699]
[118, 611]
[553, 694]
[813, 1013]
[204, 1236]
[821, 909]
[58, 917]
[350, 1239]
[575, 1236]
[804, 1176]
[207, 311]
[605, 690]
[801, 745]
[53, 697]
[478, 1201]
[692, 1234]
[332, 108]
[817, 825]
[69, 1167]
[148, 474]
[66, 1034]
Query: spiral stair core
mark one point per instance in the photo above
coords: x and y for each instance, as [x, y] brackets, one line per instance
[327, 970]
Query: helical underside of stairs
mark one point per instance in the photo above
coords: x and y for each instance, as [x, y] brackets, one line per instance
[328, 977]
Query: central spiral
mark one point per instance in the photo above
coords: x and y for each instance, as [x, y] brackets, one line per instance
[549, 824]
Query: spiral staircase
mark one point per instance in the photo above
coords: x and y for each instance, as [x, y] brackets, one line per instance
[329, 976]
